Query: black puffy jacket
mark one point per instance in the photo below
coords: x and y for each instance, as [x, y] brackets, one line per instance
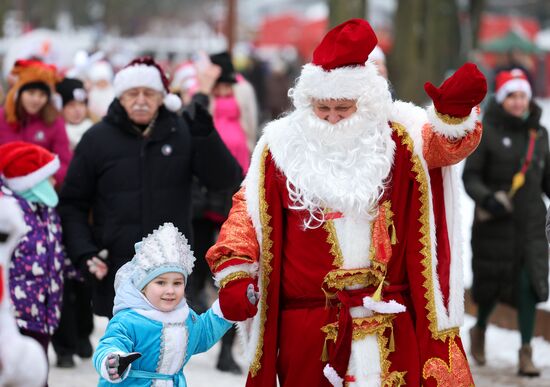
[121, 185]
[503, 245]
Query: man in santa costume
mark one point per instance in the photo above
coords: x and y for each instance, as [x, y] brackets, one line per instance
[347, 222]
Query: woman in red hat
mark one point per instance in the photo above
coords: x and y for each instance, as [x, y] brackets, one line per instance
[506, 177]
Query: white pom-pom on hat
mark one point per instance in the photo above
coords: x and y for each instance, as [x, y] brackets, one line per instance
[172, 102]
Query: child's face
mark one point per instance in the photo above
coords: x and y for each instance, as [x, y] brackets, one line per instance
[165, 291]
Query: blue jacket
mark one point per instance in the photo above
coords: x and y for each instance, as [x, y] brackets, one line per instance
[166, 340]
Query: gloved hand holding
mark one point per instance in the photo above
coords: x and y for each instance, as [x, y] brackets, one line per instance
[494, 206]
[117, 364]
[461, 92]
[238, 299]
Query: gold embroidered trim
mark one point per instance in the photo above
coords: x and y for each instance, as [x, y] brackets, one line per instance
[362, 327]
[455, 373]
[389, 379]
[332, 239]
[233, 276]
[265, 264]
[226, 258]
[425, 239]
[342, 278]
[450, 120]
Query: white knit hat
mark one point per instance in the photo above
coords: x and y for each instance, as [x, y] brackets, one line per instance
[145, 72]
[166, 250]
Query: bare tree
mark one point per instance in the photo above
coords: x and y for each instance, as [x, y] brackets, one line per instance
[340, 11]
[427, 45]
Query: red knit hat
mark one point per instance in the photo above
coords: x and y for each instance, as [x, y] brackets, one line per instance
[509, 82]
[145, 72]
[340, 68]
[23, 165]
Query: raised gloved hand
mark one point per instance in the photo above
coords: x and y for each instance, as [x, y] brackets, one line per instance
[461, 92]
[116, 364]
[238, 299]
[199, 119]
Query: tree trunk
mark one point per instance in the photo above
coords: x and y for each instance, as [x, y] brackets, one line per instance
[340, 11]
[427, 44]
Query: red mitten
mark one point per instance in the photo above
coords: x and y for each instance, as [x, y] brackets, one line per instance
[234, 300]
[462, 91]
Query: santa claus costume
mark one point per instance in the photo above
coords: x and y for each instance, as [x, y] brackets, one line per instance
[351, 230]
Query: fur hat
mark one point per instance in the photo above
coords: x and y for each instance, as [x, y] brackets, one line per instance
[340, 68]
[165, 250]
[28, 72]
[145, 72]
[24, 165]
[507, 82]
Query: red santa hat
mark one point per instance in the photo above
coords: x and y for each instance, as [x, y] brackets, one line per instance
[339, 69]
[509, 82]
[145, 72]
[23, 165]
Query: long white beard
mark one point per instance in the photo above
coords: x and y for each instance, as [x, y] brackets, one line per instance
[341, 167]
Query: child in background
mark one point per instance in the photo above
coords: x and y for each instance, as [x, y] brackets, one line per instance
[75, 109]
[152, 321]
[38, 265]
[23, 361]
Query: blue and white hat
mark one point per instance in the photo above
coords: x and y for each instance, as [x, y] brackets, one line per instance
[165, 250]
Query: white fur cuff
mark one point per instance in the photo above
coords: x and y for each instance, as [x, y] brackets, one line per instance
[332, 376]
[250, 268]
[451, 130]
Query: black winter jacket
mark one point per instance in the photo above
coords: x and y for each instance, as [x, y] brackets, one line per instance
[503, 245]
[121, 185]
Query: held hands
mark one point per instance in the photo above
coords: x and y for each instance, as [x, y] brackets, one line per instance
[239, 299]
[116, 364]
[461, 92]
[97, 265]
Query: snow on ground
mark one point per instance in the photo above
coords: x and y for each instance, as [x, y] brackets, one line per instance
[502, 347]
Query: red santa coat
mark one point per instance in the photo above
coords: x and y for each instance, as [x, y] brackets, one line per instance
[306, 276]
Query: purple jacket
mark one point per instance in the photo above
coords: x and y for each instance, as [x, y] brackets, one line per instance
[53, 138]
[37, 268]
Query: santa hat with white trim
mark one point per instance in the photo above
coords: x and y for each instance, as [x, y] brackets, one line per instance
[340, 68]
[145, 72]
[507, 82]
[24, 165]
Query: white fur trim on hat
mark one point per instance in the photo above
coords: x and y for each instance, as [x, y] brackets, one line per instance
[23, 183]
[138, 76]
[341, 83]
[513, 85]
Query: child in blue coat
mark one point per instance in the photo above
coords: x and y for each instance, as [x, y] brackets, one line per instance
[152, 318]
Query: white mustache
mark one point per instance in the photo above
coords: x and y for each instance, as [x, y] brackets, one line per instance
[140, 108]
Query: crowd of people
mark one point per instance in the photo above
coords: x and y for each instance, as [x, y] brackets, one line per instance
[337, 228]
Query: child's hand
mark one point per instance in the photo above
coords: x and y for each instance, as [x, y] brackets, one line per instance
[117, 363]
[112, 366]
[236, 299]
[97, 266]
[252, 294]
